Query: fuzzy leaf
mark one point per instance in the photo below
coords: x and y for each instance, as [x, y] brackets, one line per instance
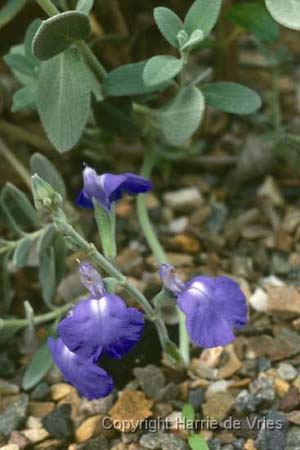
[21, 253]
[128, 81]
[181, 117]
[47, 275]
[203, 15]
[169, 24]
[38, 367]
[9, 10]
[25, 98]
[20, 63]
[63, 98]
[285, 12]
[231, 97]
[18, 205]
[85, 6]
[47, 171]
[161, 69]
[59, 32]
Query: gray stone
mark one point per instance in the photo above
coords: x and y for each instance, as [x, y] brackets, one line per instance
[263, 388]
[273, 435]
[287, 372]
[246, 402]
[263, 364]
[239, 444]
[41, 391]
[293, 439]
[7, 388]
[14, 415]
[151, 441]
[167, 393]
[98, 443]
[59, 423]
[227, 447]
[7, 365]
[95, 407]
[214, 444]
[151, 379]
[163, 441]
[184, 198]
[196, 398]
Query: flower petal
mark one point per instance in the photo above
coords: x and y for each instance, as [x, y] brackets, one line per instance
[116, 185]
[102, 325]
[90, 380]
[91, 279]
[170, 279]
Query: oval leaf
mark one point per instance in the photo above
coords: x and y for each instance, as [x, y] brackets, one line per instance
[18, 205]
[181, 117]
[9, 10]
[231, 97]
[285, 12]
[197, 442]
[85, 6]
[203, 15]
[254, 18]
[63, 98]
[161, 69]
[47, 171]
[47, 275]
[38, 367]
[59, 32]
[188, 413]
[169, 24]
[128, 81]
[21, 253]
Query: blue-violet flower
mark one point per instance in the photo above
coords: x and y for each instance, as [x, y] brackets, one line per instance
[90, 380]
[213, 306]
[108, 188]
[101, 323]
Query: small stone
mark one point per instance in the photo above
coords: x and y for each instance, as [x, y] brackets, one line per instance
[293, 439]
[218, 406]
[227, 447]
[287, 372]
[175, 421]
[285, 345]
[270, 190]
[263, 388]
[250, 445]
[283, 301]
[49, 444]
[239, 444]
[58, 422]
[94, 407]
[40, 409]
[294, 417]
[183, 199]
[7, 388]
[291, 400]
[179, 225]
[210, 357]
[151, 441]
[196, 398]
[151, 379]
[281, 387]
[10, 447]
[254, 232]
[186, 243]
[14, 415]
[61, 390]
[259, 300]
[7, 365]
[214, 444]
[162, 409]
[33, 422]
[273, 437]
[217, 386]
[246, 402]
[36, 435]
[263, 364]
[232, 364]
[291, 220]
[172, 442]
[93, 427]
[167, 393]
[41, 391]
[97, 443]
[19, 439]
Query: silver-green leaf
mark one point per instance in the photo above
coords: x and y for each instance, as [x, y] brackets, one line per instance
[85, 6]
[63, 98]
[47, 171]
[59, 32]
[161, 69]
[169, 24]
[21, 253]
[231, 97]
[203, 14]
[285, 12]
[40, 364]
[180, 118]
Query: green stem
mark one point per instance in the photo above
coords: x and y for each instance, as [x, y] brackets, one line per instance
[37, 320]
[48, 7]
[154, 244]
[15, 163]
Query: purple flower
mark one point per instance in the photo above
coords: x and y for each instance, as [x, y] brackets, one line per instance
[101, 323]
[108, 188]
[213, 307]
[90, 380]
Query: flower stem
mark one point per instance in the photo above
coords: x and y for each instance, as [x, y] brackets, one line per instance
[37, 320]
[154, 244]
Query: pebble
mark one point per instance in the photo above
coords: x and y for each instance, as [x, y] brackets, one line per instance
[281, 387]
[218, 405]
[291, 400]
[246, 402]
[287, 372]
[172, 442]
[167, 393]
[239, 444]
[214, 444]
[36, 435]
[13, 416]
[92, 427]
[7, 365]
[19, 439]
[7, 388]
[269, 189]
[40, 409]
[263, 388]
[217, 386]
[227, 447]
[179, 225]
[184, 198]
[58, 422]
[41, 391]
[196, 398]
[61, 390]
[263, 364]
[151, 441]
[283, 301]
[151, 379]
[294, 417]
[259, 300]
[94, 407]
[97, 443]
[273, 437]
[293, 439]
[10, 447]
